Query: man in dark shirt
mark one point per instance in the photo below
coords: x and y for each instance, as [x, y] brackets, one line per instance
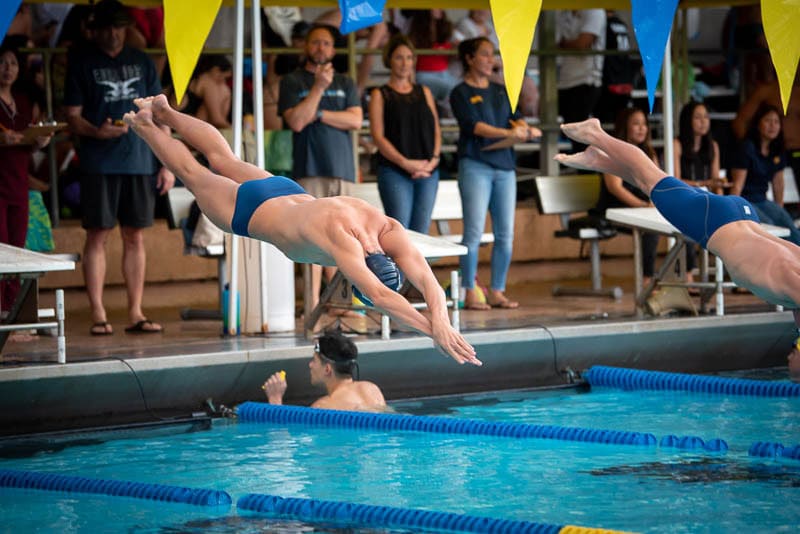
[321, 107]
[117, 167]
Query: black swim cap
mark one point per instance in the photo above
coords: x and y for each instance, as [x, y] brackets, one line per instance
[387, 272]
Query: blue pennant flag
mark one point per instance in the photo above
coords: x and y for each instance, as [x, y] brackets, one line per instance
[358, 14]
[8, 9]
[652, 22]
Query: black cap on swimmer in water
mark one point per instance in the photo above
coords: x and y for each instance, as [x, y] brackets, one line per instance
[339, 351]
[387, 272]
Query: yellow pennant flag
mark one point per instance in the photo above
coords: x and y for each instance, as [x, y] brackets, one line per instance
[186, 27]
[781, 22]
[515, 22]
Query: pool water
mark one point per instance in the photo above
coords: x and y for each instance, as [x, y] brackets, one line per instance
[617, 487]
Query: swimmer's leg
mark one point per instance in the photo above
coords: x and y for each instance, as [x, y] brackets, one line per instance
[610, 155]
[216, 195]
[205, 138]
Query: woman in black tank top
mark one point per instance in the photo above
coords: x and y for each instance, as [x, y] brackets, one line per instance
[405, 128]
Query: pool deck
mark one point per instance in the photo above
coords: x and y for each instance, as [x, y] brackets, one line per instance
[127, 377]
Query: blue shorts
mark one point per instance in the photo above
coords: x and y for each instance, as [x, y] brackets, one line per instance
[253, 193]
[698, 213]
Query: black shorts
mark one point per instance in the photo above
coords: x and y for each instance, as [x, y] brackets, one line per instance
[108, 198]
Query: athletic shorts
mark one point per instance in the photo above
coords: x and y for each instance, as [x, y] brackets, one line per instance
[110, 198]
[325, 186]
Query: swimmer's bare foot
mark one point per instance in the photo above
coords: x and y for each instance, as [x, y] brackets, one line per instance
[591, 159]
[160, 106]
[586, 132]
[140, 119]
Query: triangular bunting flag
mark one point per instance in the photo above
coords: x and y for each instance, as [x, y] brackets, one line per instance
[782, 29]
[515, 23]
[358, 14]
[652, 22]
[8, 9]
[186, 27]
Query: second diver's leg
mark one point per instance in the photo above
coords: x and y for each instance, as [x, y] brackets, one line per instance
[205, 138]
[610, 155]
[216, 195]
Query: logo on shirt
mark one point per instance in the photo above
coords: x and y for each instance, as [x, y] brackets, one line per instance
[118, 83]
[475, 99]
[329, 93]
[747, 210]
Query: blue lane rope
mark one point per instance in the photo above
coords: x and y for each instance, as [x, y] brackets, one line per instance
[633, 379]
[693, 443]
[259, 412]
[118, 488]
[385, 516]
[766, 449]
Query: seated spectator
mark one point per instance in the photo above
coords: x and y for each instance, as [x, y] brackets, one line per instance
[208, 96]
[696, 159]
[430, 28]
[632, 127]
[405, 128]
[332, 367]
[761, 161]
[147, 31]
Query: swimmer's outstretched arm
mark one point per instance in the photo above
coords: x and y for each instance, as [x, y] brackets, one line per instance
[350, 260]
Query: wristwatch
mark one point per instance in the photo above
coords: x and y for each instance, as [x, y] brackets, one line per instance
[319, 115]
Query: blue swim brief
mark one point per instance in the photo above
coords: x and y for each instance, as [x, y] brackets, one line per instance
[253, 193]
[698, 213]
[387, 272]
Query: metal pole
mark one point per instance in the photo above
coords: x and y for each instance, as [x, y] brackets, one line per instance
[258, 112]
[666, 83]
[62, 339]
[238, 60]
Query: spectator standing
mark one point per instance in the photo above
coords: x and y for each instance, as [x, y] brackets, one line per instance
[631, 126]
[17, 111]
[618, 71]
[580, 77]
[321, 107]
[486, 176]
[116, 166]
[696, 157]
[478, 23]
[761, 161]
[405, 128]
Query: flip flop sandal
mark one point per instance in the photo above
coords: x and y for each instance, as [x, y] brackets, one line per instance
[139, 328]
[95, 329]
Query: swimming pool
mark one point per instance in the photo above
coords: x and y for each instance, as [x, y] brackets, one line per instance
[612, 486]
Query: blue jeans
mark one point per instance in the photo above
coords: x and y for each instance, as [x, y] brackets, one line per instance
[408, 200]
[483, 187]
[771, 213]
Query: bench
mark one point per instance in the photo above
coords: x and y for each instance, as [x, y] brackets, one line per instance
[431, 247]
[566, 196]
[179, 202]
